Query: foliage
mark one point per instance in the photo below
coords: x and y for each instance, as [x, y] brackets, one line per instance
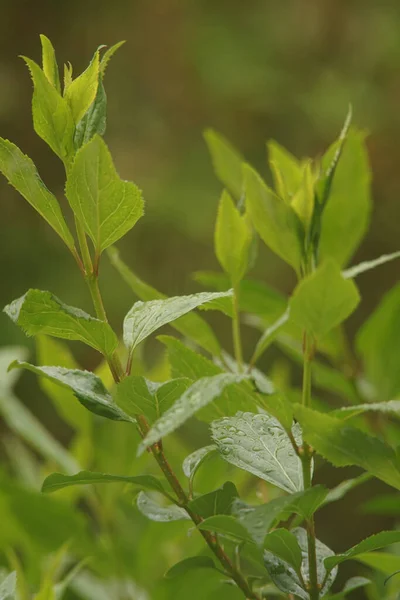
[277, 436]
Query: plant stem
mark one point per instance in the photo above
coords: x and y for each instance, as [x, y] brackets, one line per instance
[237, 341]
[306, 460]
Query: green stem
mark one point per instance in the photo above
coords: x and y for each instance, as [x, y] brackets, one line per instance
[306, 460]
[237, 341]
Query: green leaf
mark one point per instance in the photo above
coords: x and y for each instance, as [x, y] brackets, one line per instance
[285, 577]
[285, 546]
[8, 587]
[22, 174]
[286, 170]
[225, 525]
[108, 54]
[193, 562]
[233, 236]
[392, 408]
[107, 206]
[278, 406]
[367, 265]
[374, 542]
[385, 504]
[27, 427]
[198, 395]
[323, 300]
[227, 162]
[339, 492]
[156, 512]
[191, 325]
[186, 363]
[94, 121]
[52, 117]
[382, 561]
[198, 584]
[218, 502]
[59, 481]
[7, 355]
[304, 198]
[276, 222]
[193, 461]
[378, 343]
[82, 91]
[146, 317]
[352, 584]
[49, 62]
[343, 445]
[259, 444]
[346, 215]
[87, 387]
[269, 335]
[139, 396]
[41, 312]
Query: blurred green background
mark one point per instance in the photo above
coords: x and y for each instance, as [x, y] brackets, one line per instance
[252, 70]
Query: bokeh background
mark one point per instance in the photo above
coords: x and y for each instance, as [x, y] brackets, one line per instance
[252, 70]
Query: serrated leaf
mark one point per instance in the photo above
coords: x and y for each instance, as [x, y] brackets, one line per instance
[107, 206]
[259, 444]
[8, 587]
[87, 387]
[226, 525]
[374, 542]
[276, 222]
[343, 445]
[283, 544]
[367, 265]
[286, 171]
[108, 54]
[39, 312]
[59, 481]
[278, 406]
[198, 395]
[52, 117]
[82, 91]
[285, 577]
[187, 363]
[49, 62]
[378, 343]
[54, 353]
[22, 174]
[347, 212]
[323, 300]
[94, 121]
[233, 236]
[139, 396]
[218, 502]
[352, 584]
[146, 317]
[227, 162]
[193, 562]
[156, 512]
[191, 325]
[193, 461]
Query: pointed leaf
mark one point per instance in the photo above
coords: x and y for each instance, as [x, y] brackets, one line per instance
[233, 236]
[196, 458]
[226, 525]
[146, 317]
[259, 444]
[49, 62]
[82, 91]
[352, 584]
[198, 395]
[286, 170]
[323, 300]
[58, 481]
[22, 174]
[41, 312]
[227, 162]
[156, 512]
[367, 265]
[8, 587]
[285, 546]
[303, 200]
[218, 502]
[94, 121]
[339, 492]
[269, 335]
[374, 542]
[343, 445]
[87, 387]
[191, 325]
[107, 206]
[347, 213]
[52, 117]
[276, 222]
[392, 408]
